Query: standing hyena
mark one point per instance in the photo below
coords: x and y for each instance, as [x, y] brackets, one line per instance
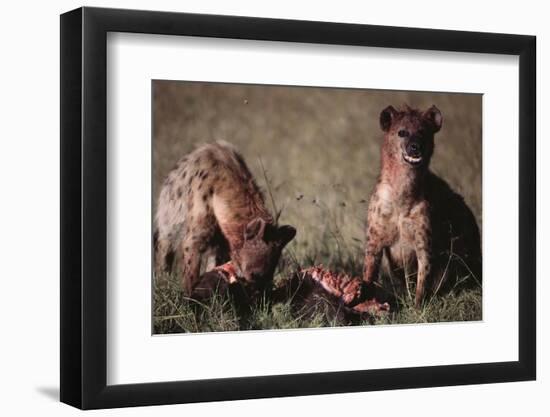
[414, 218]
[210, 206]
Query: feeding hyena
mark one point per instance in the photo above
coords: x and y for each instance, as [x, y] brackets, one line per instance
[210, 207]
[415, 222]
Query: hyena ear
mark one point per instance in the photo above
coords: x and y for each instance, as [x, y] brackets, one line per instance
[434, 117]
[286, 234]
[254, 229]
[386, 118]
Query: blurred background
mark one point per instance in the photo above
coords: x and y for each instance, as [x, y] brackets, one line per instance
[316, 151]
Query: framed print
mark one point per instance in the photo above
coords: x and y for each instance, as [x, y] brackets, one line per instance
[257, 208]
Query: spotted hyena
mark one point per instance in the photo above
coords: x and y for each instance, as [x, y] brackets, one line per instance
[415, 222]
[210, 207]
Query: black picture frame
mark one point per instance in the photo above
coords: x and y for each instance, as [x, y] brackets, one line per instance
[84, 207]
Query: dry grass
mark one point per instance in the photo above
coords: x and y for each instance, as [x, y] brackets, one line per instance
[317, 151]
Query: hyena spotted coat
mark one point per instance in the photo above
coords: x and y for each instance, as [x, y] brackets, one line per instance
[415, 222]
[211, 207]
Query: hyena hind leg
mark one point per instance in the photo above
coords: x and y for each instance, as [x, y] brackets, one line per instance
[164, 255]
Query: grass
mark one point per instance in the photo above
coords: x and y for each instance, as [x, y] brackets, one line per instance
[316, 154]
[174, 313]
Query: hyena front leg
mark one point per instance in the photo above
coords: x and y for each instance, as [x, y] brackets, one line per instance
[193, 248]
[217, 256]
[373, 256]
[219, 250]
[423, 256]
[222, 253]
[190, 263]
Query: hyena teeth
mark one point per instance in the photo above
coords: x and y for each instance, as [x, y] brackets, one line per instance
[412, 159]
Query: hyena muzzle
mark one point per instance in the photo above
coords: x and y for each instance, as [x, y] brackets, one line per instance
[210, 207]
[414, 220]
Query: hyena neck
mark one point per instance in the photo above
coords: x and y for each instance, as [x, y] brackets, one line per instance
[406, 183]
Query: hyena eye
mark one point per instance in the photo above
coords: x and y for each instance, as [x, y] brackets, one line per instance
[403, 133]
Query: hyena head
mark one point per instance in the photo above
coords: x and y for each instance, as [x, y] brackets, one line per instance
[409, 134]
[261, 250]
